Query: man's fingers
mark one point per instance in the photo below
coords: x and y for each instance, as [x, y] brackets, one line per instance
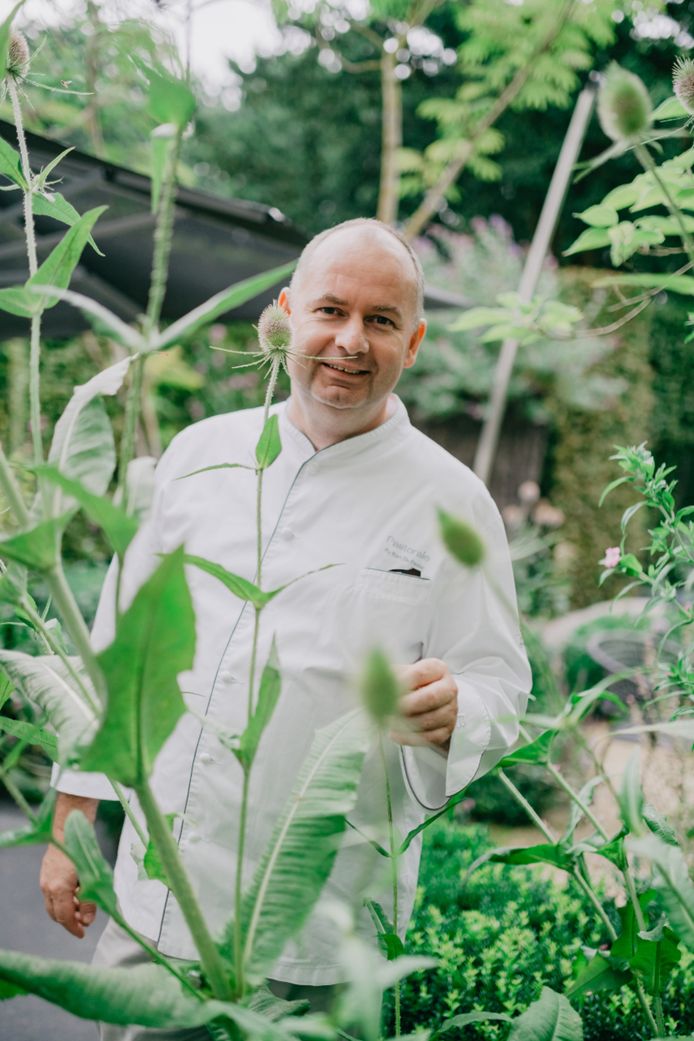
[64, 913]
[415, 738]
[85, 913]
[422, 672]
[427, 699]
[424, 722]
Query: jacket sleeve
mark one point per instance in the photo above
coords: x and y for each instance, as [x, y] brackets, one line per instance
[139, 562]
[475, 630]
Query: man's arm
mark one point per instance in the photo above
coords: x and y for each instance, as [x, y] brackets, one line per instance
[58, 880]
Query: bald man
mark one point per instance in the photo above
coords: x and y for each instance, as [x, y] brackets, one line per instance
[355, 485]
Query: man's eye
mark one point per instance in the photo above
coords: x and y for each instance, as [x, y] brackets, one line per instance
[326, 309]
[382, 319]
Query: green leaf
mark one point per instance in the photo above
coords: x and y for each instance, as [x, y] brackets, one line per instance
[411, 835]
[543, 853]
[674, 283]
[57, 268]
[475, 317]
[598, 975]
[672, 880]
[677, 728]
[472, 1017]
[46, 683]
[37, 548]
[151, 861]
[461, 540]
[82, 446]
[154, 642]
[220, 303]
[535, 752]
[659, 825]
[599, 216]
[118, 526]
[304, 842]
[631, 796]
[11, 161]
[613, 850]
[36, 831]
[53, 204]
[93, 870]
[100, 316]
[240, 587]
[380, 689]
[591, 238]
[269, 444]
[388, 940]
[170, 99]
[551, 1018]
[147, 995]
[268, 695]
[16, 300]
[5, 37]
[31, 734]
[671, 108]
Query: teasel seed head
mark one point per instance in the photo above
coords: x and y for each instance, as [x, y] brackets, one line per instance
[380, 689]
[18, 56]
[274, 334]
[683, 83]
[624, 106]
[461, 541]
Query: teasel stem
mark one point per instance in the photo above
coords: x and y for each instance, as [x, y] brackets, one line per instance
[179, 883]
[246, 767]
[393, 847]
[163, 238]
[32, 257]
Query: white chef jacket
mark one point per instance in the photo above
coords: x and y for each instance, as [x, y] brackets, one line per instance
[367, 505]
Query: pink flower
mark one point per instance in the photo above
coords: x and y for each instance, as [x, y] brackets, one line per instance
[612, 556]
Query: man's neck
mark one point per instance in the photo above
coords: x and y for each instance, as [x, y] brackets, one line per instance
[334, 425]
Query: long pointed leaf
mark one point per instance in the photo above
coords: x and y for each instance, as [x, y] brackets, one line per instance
[218, 304]
[36, 548]
[93, 870]
[57, 268]
[551, 1018]
[304, 842]
[46, 683]
[118, 526]
[120, 331]
[11, 163]
[55, 205]
[268, 694]
[154, 642]
[30, 733]
[673, 880]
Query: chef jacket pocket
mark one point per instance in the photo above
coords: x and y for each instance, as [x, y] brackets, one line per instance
[388, 610]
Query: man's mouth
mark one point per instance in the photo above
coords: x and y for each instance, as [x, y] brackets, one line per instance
[344, 368]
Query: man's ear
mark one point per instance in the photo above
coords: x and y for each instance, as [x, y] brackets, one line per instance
[283, 300]
[414, 344]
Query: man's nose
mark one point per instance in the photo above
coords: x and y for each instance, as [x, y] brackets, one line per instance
[351, 337]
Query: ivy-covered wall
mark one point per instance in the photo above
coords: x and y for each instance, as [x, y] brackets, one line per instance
[580, 466]
[672, 360]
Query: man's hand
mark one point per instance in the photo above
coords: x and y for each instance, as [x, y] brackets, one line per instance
[58, 879]
[430, 709]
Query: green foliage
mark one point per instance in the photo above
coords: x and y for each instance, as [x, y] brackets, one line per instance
[154, 642]
[455, 368]
[580, 469]
[503, 933]
[672, 422]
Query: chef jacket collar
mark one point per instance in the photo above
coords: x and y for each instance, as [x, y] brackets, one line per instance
[394, 428]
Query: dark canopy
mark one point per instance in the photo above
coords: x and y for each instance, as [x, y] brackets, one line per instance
[216, 242]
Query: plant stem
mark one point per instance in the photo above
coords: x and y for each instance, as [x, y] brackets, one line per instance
[17, 795]
[644, 157]
[520, 798]
[11, 491]
[74, 623]
[127, 810]
[575, 797]
[32, 257]
[393, 847]
[163, 237]
[247, 766]
[168, 851]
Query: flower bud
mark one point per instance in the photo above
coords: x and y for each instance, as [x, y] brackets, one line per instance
[380, 689]
[18, 55]
[683, 83]
[461, 540]
[274, 334]
[624, 106]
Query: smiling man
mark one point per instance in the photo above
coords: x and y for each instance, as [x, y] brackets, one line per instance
[355, 486]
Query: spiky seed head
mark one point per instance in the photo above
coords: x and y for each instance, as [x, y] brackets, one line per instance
[461, 541]
[624, 106]
[274, 334]
[380, 689]
[683, 83]
[18, 55]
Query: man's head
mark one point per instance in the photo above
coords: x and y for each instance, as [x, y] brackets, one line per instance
[355, 304]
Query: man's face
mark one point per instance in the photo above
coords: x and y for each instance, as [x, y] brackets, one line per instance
[353, 315]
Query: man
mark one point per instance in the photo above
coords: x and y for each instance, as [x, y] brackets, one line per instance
[355, 486]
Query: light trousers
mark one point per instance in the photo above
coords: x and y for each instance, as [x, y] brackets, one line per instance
[117, 949]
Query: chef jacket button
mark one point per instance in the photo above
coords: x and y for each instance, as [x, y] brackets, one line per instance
[226, 676]
[206, 758]
[287, 534]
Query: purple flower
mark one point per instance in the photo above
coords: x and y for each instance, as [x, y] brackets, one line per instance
[612, 557]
